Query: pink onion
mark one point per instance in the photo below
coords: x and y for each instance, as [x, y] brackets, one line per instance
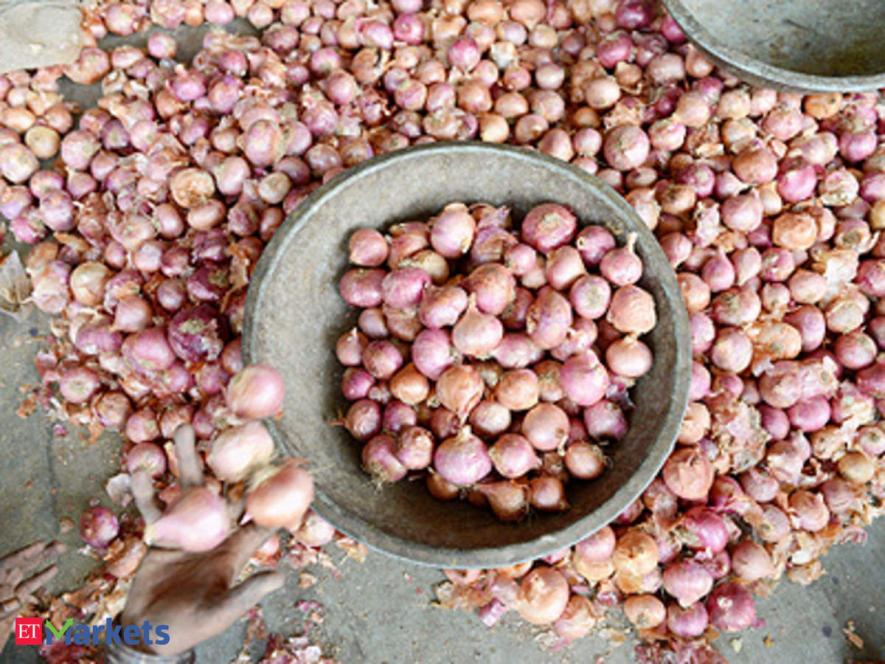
[255, 392]
[462, 459]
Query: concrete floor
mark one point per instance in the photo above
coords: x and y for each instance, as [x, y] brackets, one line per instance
[379, 611]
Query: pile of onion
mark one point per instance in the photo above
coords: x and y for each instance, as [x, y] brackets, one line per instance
[492, 357]
[147, 214]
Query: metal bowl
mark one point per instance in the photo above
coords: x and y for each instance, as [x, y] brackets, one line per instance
[806, 45]
[294, 315]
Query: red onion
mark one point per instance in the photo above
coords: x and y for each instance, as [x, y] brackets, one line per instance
[280, 495]
[548, 226]
[688, 622]
[548, 318]
[604, 420]
[382, 359]
[98, 527]
[687, 581]
[363, 419]
[459, 389]
[543, 595]
[513, 456]
[590, 296]
[546, 426]
[462, 459]
[626, 147]
[751, 562]
[731, 608]
[701, 528]
[585, 460]
[547, 494]
[380, 461]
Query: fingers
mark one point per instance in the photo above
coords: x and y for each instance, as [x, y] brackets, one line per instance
[28, 586]
[190, 472]
[143, 492]
[9, 607]
[22, 556]
[246, 595]
[244, 543]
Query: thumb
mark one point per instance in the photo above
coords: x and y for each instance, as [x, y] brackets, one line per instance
[251, 591]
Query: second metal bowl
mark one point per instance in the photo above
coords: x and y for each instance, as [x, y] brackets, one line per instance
[294, 315]
[805, 45]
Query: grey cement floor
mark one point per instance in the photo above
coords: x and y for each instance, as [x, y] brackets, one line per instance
[379, 611]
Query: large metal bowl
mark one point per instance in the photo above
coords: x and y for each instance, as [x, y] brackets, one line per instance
[806, 45]
[294, 315]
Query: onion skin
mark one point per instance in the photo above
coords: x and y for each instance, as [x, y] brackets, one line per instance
[282, 498]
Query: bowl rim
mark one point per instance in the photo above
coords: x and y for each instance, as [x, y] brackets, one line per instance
[758, 71]
[492, 556]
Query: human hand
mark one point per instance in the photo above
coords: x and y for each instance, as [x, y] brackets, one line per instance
[15, 589]
[195, 594]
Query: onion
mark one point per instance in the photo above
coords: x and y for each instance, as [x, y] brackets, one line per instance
[751, 562]
[548, 226]
[280, 495]
[632, 310]
[462, 459]
[198, 521]
[636, 553]
[98, 527]
[548, 319]
[506, 498]
[432, 352]
[585, 460]
[380, 461]
[238, 451]
[688, 474]
[701, 528]
[363, 419]
[543, 596]
[731, 608]
[645, 611]
[477, 334]
[255, 392]
[146, 457]
[546, 427]
[547, 494]
[513, 456]
[605, 419]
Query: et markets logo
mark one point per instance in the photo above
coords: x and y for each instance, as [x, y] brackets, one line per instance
[30, 632]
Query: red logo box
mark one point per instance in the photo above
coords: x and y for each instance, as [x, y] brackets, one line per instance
[28, 631]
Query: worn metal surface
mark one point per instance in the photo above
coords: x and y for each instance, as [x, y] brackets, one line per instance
[808, 45]
[294, 314]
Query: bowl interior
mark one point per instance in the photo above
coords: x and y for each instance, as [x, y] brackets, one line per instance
[294, 315]
[817, 38]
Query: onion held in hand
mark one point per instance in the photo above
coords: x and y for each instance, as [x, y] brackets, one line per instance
[240, 450]
[281, 496]
[255, 392]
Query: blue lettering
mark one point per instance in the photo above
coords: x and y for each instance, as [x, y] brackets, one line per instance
[81, 635]
[130, 635]
[96, 634]
[146, 633]
[112, 632]
[162, 635]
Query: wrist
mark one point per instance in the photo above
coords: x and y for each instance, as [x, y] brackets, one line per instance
[127, 641]
[120, 653]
